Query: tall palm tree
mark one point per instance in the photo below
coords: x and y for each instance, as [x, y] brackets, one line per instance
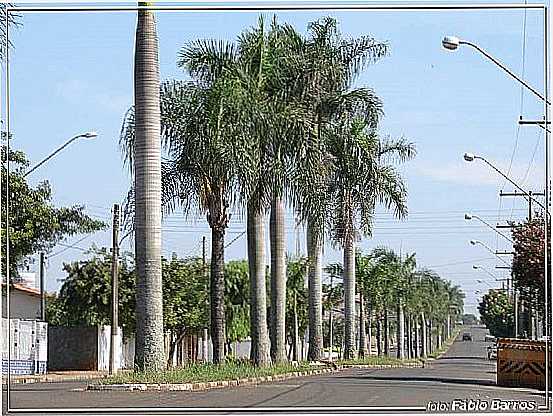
[147, 190]
[362, 178]
[329, 64]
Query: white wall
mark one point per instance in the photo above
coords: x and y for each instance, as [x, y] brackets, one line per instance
[22, 305]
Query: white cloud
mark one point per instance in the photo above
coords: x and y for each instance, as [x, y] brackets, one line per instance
[477, 173]
[78, 91]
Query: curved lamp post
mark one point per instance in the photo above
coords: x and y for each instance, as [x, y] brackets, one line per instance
[474, 242]
[452, 43]
[470, 157]
[471, 216]
[87, 135]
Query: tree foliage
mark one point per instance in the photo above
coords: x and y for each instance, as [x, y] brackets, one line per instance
[35, 223]
[497, 313]
[528, 268]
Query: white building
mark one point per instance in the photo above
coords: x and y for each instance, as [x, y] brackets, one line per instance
[24, 302]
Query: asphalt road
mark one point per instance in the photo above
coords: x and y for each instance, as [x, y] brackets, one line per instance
[462, 373]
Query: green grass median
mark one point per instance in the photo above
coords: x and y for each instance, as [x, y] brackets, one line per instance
[201, 373]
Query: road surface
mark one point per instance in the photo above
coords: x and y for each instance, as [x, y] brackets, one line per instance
[462, 373]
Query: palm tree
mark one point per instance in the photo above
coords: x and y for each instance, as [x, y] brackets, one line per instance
[361, 179]
[147, 194]
[328, 65]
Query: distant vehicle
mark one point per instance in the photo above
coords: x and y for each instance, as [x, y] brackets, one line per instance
[492, 352]
[489, 338]
[467, 336]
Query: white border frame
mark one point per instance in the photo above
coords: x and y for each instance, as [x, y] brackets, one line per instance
[264, 6]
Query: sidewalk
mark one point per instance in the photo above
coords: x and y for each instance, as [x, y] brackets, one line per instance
[55, 376]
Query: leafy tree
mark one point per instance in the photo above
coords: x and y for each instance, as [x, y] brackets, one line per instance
[35, 223]
[84, 298]
[469, 319]
[237, 295]
[497, 313]
[296, 302]
[85, 295]
[528, 269]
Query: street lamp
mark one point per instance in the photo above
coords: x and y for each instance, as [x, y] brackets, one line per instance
[475, 267]
[474, 242]
[452, 43]
[87, 135]
[471, 216]
[469, 157]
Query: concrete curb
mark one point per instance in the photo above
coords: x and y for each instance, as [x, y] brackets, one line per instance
[382, 366]
[51, 379]
[202, 386]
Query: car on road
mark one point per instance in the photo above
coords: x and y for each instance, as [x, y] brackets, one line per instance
[492, 352]
[489, 338]
[467, 336]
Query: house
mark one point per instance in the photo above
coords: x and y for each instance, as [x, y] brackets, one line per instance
[24, 302]
[28, 335]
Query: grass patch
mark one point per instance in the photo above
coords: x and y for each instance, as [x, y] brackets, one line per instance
[375, 360]
[199, 373]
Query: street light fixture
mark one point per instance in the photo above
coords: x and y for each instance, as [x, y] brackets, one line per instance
[87, 135]
[475, 267]
[452, 43]
[471, 216]
[474, 242]
[469, 157]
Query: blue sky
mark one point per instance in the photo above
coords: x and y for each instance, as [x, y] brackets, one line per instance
[72, 72]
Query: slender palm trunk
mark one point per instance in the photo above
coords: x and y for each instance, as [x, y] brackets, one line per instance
[430, 340]
[296, 335]
[448, 328]
[416, 347]
[400, 331]
[259, 353]
[386, 333]
[409, 348]
[362, 329]
[424, 337]
[217, 293]
[150, 354]
[278, 282]
[314, 252]
[369, 333]
[379, 337]
[349, 297]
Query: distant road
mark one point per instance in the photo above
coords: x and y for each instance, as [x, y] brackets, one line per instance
[463, 373]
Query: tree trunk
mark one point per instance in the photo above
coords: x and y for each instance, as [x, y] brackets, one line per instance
[174, 342]
[400, 331]
[349, 297]
[416, 347]
[150, 354]
[424, 337]
[362, 329]
[409, 347]
[369, 334]
[259, 354]
[430, 340]
[448, 328]
[295, 356]
[379, 337]
[386, 333]
[278, 282]
[217, 293]
[314, 252]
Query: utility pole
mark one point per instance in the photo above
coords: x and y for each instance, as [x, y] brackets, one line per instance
[114, 288]
[42, 294]
[204, 336]
[529, 198]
